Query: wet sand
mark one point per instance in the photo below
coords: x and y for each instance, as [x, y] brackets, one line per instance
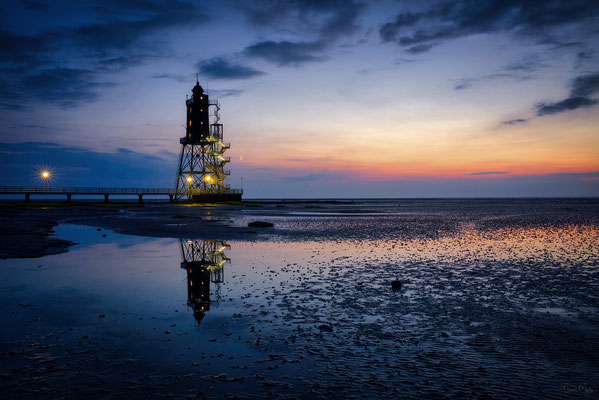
[498, 300]
[26, 229]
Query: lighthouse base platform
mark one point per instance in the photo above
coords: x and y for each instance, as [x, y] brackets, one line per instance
[215, 197]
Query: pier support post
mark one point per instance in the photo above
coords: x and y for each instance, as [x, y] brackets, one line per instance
[170, 198]
[105, 198]
[140, 198]
[69, 197]
[27, 197]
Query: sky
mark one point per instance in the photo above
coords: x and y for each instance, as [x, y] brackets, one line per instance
[319, 98]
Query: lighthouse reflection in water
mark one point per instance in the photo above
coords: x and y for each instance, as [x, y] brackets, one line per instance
[204, 262]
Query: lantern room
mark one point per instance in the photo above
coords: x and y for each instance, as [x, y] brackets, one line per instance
[197, 125]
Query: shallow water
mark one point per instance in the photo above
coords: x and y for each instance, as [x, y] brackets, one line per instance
[497, 300]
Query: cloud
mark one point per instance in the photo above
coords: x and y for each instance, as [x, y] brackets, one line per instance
[324, 23]
[571, 103]
[220, 68]
[121, 63]
[227, 92]
[581, 89]
[489, 173]
[175, 77]
[583, 57]
[439, 22]
[122, 24]
[10, 100]
[81, 41]
[527, 64]
[67, 87]
[29, 126]
[330, 19]
[520, 70]
[34, 5]
[585, 85]
[464, 84]
[421, 48]
[515, 121]
[286, 53]
[467, 83]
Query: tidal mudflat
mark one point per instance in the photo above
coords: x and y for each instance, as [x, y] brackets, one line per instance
[498, 299]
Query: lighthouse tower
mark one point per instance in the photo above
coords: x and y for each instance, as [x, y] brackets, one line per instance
[204, 262]
[201, 174]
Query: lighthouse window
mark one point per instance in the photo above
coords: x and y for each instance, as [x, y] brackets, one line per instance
[201, 97]
[190, 123]
[190, 109]
[202, 123]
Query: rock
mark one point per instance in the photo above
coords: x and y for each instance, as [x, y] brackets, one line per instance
[396, 284]
[167, 332]
[260, 224]
[325, 328]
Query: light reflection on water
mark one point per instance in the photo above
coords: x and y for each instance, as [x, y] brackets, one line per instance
[165, 312]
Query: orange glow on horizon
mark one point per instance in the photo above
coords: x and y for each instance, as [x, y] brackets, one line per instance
[538, 148]
[415, 170]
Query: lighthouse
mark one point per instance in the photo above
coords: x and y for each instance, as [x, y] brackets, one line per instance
[201, 174]
[204, 262]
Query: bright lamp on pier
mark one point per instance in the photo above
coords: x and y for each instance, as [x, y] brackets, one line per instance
[189, 179]
[207, 178]
[45, 174]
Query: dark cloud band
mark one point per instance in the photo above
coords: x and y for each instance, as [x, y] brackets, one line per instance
[220, 68]
[582, 88]
[420, 30]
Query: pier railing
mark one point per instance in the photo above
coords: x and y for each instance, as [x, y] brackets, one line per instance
[84, 190]
[107, 191]
[101, 190]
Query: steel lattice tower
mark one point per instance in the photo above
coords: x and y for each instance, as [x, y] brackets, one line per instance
[201, 173]
[204, 262]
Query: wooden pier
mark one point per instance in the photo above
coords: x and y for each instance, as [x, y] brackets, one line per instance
[195, 195]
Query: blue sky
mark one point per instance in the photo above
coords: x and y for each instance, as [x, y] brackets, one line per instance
[319, 98]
